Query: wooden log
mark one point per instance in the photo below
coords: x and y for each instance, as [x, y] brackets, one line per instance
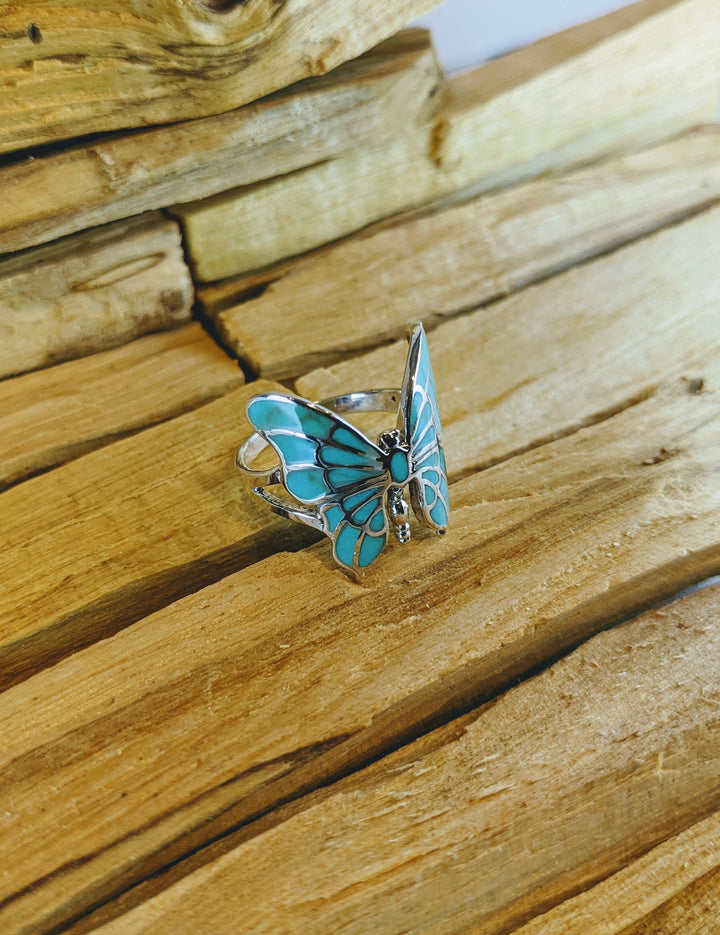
[382, 93]
[149, 744]
[98, 543]
[627, 80]
[54, 415]
[487, 821]
[128, 65]
[361, 292]
[92, 291]
[665, 877]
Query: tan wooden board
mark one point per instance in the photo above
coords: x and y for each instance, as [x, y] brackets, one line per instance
[563, 353]
[481, 824]
[695, 911]
[362, 291]
[382, 93]
[67, 73]
[630, 79]
[666, 876]
[277, 679]
[91, 291]
[97, 543]
[51, 416]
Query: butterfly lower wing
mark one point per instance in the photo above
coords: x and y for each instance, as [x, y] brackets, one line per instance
[420, 423]
[328, 463]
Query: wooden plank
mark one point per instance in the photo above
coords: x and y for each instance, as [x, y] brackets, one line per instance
[363, 291]
[627, 80]
[666, 876]
[695, 911]
[98, 543]
[53, 415]
[277, 679]
[477, 826]
[563, 353]
[92, 291]
[382, 93]
[121, 65]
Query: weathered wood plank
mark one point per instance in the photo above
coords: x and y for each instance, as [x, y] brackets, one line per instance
[630, 79]
[388, 90]
[97, 543]
[53, 415]
[274, 680]
[127, 65]
[695, 911]
[360, 292]
[633, 894]
[481, 824]
[91, 291]
[562, 353]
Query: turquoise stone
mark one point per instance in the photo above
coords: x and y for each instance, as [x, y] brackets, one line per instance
[345, 544]
[399, 467]
[306, 484]
[370, 548]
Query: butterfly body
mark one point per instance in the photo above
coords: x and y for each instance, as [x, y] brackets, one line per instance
[353, 486]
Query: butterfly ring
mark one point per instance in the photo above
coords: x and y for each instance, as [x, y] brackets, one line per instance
[343, 484]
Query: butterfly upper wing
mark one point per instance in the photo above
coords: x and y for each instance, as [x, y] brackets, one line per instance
[420, 424]
[328, 463]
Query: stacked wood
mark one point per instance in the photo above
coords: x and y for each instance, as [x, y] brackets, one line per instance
[512, 728]
[619, 83]
[69, 73]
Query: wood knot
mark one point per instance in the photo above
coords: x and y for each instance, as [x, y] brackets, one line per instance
[694, 385]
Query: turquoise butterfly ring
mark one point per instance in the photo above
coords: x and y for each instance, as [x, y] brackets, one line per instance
[343, 484]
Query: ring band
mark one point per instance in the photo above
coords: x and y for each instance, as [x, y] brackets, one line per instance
[341, 482]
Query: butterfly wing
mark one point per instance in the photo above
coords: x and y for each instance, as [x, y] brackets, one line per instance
[420, 423]
[328, 463]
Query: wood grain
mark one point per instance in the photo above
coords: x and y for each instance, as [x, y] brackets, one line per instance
[91, 291]
[68, 73]
[53, 415]
[476, 827]
[627, 80]
[632, 895]
[180, 728]
[98, 543]
[362, 291]
[380, 94]
[695, 911]
[563, 353]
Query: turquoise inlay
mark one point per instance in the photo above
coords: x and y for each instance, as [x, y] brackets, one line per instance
[346, 477]
[431, 476]
[438, 514]
[378, 521]
[370, 548]
[363, 513]
[344, 436]
[333, 517]
[345, 544]
[295, 449]
[347, 458]
[266, 414]
[399, 467]
[307, 484]
[354, 500]
[314, 423]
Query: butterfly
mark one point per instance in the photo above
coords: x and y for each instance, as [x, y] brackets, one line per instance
[355, 485]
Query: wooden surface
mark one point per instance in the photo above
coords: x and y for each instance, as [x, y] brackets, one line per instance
[90, 402]
[91, 291]
[207, 726]
[483, 604]
[524, 801]
[633, 78]
[365, 289]
[67, 73]
[381, 94]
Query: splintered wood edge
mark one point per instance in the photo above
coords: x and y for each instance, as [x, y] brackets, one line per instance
[502, 797]
[88, 403]
[637, 529]
[394, 86]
